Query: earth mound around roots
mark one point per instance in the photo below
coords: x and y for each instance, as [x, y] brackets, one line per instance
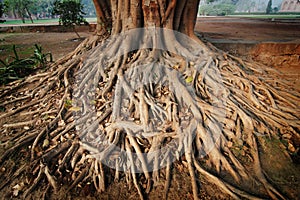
[138, 107]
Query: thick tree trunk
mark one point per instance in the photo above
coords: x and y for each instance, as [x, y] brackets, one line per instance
[129, 14]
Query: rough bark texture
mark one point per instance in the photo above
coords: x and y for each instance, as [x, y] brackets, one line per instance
[140, 102]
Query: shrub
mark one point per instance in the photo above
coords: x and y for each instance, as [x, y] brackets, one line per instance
[14, 67]
[70, 13]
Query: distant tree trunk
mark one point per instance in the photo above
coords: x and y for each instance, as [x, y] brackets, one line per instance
[29, 14]
[23, 18]
[74, 29]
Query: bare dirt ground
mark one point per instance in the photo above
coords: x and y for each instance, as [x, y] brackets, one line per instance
[275, 43]
[281, 165]
[59, 44]
[247, 29]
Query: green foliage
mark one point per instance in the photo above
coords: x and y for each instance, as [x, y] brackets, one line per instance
[231, 1]
[24, 8]
[269, 7]
[260, 15]
[44, 8]
[1, 9]
[40, 57]
[41, 9]
[14, 67]
[20, 8]
[217, 9]
[70, 12]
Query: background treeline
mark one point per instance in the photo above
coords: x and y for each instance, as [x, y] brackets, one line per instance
[37, 9]
[228, 7]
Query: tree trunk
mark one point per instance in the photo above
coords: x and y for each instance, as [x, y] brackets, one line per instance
[125, 15]
[29, 14]
[141, 94]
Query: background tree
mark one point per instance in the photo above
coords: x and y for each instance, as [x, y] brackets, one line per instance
[1, 9]
[70, 13]
[269, 7]
[112, 102]
[218, 7]
[246, 6]
[225, 7]
[20, 8]
[41, 8]
[275, 9]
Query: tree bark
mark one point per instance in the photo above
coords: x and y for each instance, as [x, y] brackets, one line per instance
[129, 14]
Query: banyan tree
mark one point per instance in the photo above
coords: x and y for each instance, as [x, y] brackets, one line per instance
[139, 99]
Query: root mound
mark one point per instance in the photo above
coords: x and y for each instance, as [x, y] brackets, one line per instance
[134, 111]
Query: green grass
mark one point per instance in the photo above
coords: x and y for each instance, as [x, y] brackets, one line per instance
[23, 51]
[264, 16]
[40, 21]
[14, 67]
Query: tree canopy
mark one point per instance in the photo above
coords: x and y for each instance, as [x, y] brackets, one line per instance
[40, 8]
[1, 9]
[70, 13]
[218, 7]
[269, 8]
[20, 8]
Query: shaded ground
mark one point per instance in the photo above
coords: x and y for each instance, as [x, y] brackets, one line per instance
[57, 43]
[280, 164]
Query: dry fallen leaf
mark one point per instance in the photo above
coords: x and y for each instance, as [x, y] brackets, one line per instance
[46, 143]
[229, 144]
[61, 123]
[75, 109]
[17, 188]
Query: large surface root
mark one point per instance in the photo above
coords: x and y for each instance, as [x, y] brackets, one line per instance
[140, 111]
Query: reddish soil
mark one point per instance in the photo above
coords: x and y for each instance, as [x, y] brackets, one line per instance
[275, 43]
[247, 29]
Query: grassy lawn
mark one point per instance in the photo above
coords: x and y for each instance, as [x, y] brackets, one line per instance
[40, 21]
[264, 16]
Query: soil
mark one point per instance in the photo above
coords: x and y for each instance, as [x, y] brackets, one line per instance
[273, 42]
[249, 29]
[254, 39]
[59, 44]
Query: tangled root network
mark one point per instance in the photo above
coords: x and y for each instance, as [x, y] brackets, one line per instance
[139, 107]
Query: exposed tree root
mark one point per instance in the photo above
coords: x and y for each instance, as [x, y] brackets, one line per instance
[139, 109]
